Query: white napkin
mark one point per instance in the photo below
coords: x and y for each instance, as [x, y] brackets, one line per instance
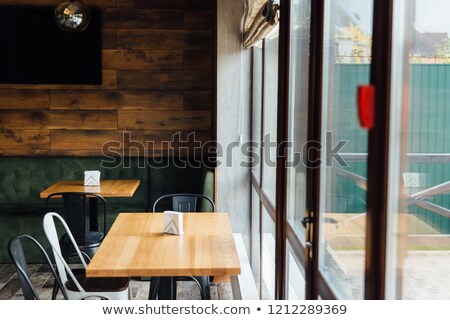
[173, 222]
[92, 178]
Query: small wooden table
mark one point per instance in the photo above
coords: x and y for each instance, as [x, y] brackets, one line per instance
[137, 247]
[107, 189]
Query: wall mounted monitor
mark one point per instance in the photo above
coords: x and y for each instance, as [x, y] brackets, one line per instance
[33, 50]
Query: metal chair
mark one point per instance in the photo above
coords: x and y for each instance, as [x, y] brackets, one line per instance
[183, 202]
[15, 250]
[88, 239]
[79, 286]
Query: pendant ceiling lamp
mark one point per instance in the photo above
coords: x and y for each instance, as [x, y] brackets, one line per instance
[72, 15]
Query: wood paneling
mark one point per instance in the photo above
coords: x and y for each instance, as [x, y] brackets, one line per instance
[63, 153]
[155, 4]
[109, 79]
[165, 39]
[199, 4]
[144, 140]
[133, 141]
[24, 139]
[198, 60]
[198, 100]
[170, 120]
[58, 119]
[198, 19]
[24, 99]
[163, 140]
[115, 99]
[141, 19]
[109, 39]
[143, 59]
[157, 86]
[164, 80]
[83, 140]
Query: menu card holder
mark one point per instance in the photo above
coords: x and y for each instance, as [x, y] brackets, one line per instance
[92, 178]
[173, 223]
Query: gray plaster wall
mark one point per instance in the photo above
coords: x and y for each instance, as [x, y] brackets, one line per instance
[233, 116]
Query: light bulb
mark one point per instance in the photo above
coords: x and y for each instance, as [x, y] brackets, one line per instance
[72, 15]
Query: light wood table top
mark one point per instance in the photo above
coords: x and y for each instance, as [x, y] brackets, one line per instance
[107, 188]
[136, 246]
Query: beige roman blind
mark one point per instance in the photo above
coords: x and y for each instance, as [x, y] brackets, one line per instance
[261, 16]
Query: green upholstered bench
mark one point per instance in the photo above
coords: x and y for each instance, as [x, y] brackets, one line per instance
[23, 178]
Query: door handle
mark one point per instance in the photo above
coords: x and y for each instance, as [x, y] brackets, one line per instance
[306, 222]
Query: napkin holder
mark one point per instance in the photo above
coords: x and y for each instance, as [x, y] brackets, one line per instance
[173, 222]
[92, 178]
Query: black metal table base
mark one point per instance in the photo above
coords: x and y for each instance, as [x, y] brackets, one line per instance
[167, 289]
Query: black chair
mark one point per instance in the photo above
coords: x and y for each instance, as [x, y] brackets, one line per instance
[183, 202]
[75, 215]
[15, 250]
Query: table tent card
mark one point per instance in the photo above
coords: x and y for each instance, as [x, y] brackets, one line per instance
[92, 178]
[173, 222]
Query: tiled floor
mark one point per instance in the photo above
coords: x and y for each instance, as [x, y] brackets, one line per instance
[40, 276]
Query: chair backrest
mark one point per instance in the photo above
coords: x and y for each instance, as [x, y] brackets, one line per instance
[184, 202]
[75, 212]
[15, 250]
[64, 270]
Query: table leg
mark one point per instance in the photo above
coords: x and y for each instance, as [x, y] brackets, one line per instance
[167, 289]
[93, 214]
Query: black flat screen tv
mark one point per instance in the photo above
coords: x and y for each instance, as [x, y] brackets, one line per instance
[33, 50]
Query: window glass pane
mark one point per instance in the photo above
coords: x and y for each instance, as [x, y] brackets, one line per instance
[346, 64]
[256, 114]
[298, 112]
[256, 248]
[268, 256]
[419, 203]
[295, 276]
[270, 114]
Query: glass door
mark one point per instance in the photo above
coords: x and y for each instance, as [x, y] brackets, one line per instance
[419, 160]
[300, 32]
[346, 62]
[269, 169]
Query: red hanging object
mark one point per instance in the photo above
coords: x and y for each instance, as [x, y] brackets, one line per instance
[366, 106]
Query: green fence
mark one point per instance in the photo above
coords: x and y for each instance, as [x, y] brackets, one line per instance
[428, 129]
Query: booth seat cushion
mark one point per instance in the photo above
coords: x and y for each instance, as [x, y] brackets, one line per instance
[23, 178]
[13, 222]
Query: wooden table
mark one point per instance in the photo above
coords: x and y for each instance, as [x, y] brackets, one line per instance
[107, 189]
[137, 247]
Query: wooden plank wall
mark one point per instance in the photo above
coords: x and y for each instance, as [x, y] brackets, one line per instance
[158, 79]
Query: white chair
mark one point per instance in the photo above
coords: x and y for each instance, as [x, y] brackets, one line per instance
[78, 286]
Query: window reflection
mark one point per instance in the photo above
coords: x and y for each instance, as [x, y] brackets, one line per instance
[419, 207]
[298, 113]
[268, 256]
[347, 49]
[270, 114]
